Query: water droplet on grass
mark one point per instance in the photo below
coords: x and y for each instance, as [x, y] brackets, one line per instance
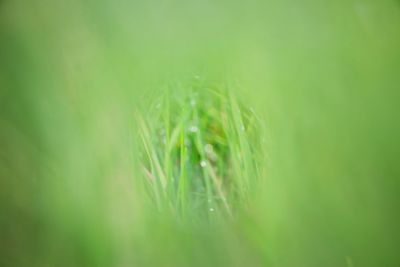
[193, 129]
[203, 163]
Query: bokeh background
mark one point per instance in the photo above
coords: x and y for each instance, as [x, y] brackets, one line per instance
[323, 75]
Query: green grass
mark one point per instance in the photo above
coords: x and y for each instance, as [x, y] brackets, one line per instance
[201, 151]
[80, 84]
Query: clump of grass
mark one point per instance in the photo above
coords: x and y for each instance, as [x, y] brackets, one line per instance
[201, 151]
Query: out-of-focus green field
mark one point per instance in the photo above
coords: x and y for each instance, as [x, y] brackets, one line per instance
[324, 76]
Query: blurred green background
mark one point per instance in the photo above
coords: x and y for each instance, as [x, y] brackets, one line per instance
[323, 75]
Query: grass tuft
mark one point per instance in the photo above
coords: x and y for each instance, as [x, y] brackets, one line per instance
[201, 151]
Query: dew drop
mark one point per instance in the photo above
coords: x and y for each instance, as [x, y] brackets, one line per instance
[193, 129]
[203, 163]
